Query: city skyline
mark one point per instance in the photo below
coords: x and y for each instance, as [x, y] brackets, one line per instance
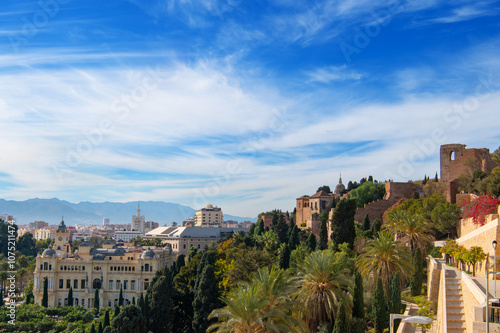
[245, 106]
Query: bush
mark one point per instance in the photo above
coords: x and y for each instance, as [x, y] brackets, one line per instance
[435, 252]
[358, 325]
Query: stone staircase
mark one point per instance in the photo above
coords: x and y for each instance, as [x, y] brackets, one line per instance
[454, 303]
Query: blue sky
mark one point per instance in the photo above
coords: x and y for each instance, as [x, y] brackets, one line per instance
[242, 104]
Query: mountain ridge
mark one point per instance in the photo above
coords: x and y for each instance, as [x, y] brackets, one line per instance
[87, 213]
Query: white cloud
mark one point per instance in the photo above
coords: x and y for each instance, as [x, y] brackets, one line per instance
[333, 73]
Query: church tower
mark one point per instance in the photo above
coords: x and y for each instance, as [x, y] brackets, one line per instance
[61, 244]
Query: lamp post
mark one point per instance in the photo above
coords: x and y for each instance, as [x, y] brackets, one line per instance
[494, 244]
[488, 300]
[408, 319]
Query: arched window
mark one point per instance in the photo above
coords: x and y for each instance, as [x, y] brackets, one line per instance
[96, 284]
[452, 156]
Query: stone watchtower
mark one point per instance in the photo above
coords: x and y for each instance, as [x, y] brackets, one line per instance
[455, 159]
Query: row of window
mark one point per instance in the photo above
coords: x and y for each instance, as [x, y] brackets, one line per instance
[75, 284]
[119, 285]
[122, 268]
[72, 268]
[76, 302]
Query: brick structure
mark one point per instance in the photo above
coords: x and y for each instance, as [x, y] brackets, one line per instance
[309, 208]
[394, 193]
[454, 159]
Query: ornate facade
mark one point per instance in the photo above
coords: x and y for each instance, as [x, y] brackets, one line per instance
[107, 270]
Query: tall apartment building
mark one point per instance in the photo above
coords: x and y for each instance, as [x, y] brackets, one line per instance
[208, 217]
[138, 221]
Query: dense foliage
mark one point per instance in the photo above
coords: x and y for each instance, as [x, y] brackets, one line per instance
[367, 192]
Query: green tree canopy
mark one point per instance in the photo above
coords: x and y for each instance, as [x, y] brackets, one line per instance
[129, 320]
[367, 192]
[343, 223]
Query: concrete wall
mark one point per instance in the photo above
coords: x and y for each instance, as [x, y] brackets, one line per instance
[482, 236]
[442, 325]
[473, 297]
[434, 268]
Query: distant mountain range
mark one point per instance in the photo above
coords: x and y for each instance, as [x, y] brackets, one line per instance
[51, 211]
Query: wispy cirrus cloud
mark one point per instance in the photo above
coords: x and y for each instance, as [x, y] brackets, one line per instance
[333, 73]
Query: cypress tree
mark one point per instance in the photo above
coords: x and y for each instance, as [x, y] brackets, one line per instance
[323, 236]
[375, 228]
[425, 180]
[366, 223]
[285, 257]
[140, 303]
[181, 262]
[436, 179]
[311, 243]
[96, 300]
[117, 311]
[100, 329]
[133, 300]
[251, 231]
[417, 278]
[92, 328]
[45, 298]
[70, 296]
[147, 309]
[259, 229]
[343, 223]
[120, 298]
[205, 299]
[106, 319]
[342, 324]
[281, 229]
[293, 240]
[160, 315]
[380, 315]
[395, 305]
[359, 305]
[30, 298]
[1, 298]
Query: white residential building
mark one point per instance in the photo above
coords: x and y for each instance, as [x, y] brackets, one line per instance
[209, 216]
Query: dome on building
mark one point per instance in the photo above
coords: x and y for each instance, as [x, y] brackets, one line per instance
[62, 227]
[340, 187]
[85, 244]
[109, 242]
[148, 254]
[49, 253]
[99, 256]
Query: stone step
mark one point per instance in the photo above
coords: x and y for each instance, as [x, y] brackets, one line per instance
[456, 330]
[453, 286]
[453, 316]
[453, 292]
[453, 297]
[455, 309]
[456, 323]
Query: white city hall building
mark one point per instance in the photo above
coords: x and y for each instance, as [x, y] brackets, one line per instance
[88, 269]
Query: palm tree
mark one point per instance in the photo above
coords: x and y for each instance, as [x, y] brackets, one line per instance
[323, 285]
[411, 229]
[260, 306]
[383, 257]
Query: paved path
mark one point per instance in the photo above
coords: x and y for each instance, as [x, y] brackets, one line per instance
[481, 283]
